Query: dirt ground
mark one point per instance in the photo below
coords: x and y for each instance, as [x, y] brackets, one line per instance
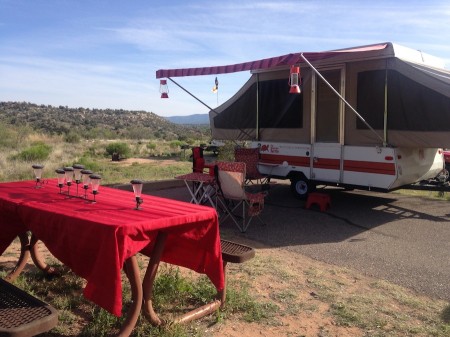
[290, 281]
[302, 315]
[272, 272]
[130, 161]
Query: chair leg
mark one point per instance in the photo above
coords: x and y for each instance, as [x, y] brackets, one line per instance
[260, 220]
[223, 207]
[229, 213]
[244, 219]
[246, 222]
[233, 217]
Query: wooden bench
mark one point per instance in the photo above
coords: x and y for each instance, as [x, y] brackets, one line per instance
[234, 252]
[23, 315]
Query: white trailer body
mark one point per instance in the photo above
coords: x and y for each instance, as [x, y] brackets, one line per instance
[374, 117]
[377, 168]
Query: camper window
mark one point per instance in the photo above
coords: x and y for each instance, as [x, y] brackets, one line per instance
[411, 105]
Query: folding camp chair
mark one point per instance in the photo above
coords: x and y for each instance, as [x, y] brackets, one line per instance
[199, 166]
[230, 178]
[250, 156]
[198, 162]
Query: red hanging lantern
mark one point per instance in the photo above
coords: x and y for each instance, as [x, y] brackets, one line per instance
[294, 80]
[163, 88]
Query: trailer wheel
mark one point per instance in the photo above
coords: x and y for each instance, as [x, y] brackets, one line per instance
[300, 186]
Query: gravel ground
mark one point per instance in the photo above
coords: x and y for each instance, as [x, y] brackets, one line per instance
[402, 239]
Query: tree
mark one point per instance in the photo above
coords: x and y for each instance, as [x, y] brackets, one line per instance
[118, 150]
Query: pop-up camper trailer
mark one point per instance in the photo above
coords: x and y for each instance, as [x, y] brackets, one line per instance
[372, 117]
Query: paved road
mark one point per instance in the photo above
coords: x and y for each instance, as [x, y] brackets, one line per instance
[402, 239]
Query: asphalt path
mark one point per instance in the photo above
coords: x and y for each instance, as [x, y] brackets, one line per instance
[399, 238]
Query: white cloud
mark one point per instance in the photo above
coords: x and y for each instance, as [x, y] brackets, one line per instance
[95, 60]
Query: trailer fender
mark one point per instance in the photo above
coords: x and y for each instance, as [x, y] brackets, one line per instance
[300, 185]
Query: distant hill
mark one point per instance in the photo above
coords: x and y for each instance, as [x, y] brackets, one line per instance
[96, 123]
[196, 119]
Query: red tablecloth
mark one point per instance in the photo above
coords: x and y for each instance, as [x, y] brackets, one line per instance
[94, 239]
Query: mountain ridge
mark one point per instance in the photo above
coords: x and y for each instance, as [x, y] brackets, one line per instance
[93, 123]
[195, 119]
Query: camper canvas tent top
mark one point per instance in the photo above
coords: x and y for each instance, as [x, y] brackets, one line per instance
[318, 137]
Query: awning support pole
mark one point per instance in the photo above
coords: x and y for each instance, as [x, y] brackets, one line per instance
[343, 99]
[257, 107]
[198, 99]
[385, 116]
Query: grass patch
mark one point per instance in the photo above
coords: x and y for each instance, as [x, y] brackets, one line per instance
[36, 152]
[240, 301]
[335, 297]
[175, 292]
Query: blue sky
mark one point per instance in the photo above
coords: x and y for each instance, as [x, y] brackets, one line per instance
[104, 54]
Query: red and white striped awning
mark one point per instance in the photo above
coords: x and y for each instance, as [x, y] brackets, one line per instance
[284, 60]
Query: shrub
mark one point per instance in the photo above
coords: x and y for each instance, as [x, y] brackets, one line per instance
[39, 151]
[72, 137]
[226, 152]
[118, 148]
[175, 144]
[8, 135]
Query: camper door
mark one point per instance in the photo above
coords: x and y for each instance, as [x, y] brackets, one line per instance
[327, 125]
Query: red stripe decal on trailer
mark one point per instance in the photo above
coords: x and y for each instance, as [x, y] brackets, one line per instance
[369, 167]
[331, 164]
[327, 164]
[274, 159]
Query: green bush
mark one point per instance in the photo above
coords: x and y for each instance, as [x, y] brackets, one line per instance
[226, 152]
[151, 146]
[89, 164]
[175, 144]
[39, 151]
[8, 138]
[122, 149]
[72, 137]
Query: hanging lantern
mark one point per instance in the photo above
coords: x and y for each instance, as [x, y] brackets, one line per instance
[294, 80]
[163, 89]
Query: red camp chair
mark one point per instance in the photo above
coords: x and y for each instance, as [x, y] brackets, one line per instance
[198, 162]
[230, 177]
[250, 156]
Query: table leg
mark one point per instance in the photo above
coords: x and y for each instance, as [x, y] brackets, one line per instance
[24, 256]
[147, 285]
[206, 309]
[202, 311]
[149, 279]
[132, 271]
[37, 258]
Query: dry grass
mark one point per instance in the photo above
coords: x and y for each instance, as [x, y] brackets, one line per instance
[92, 155]
[278, 293]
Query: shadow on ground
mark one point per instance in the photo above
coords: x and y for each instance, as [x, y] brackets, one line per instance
[400, 238]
